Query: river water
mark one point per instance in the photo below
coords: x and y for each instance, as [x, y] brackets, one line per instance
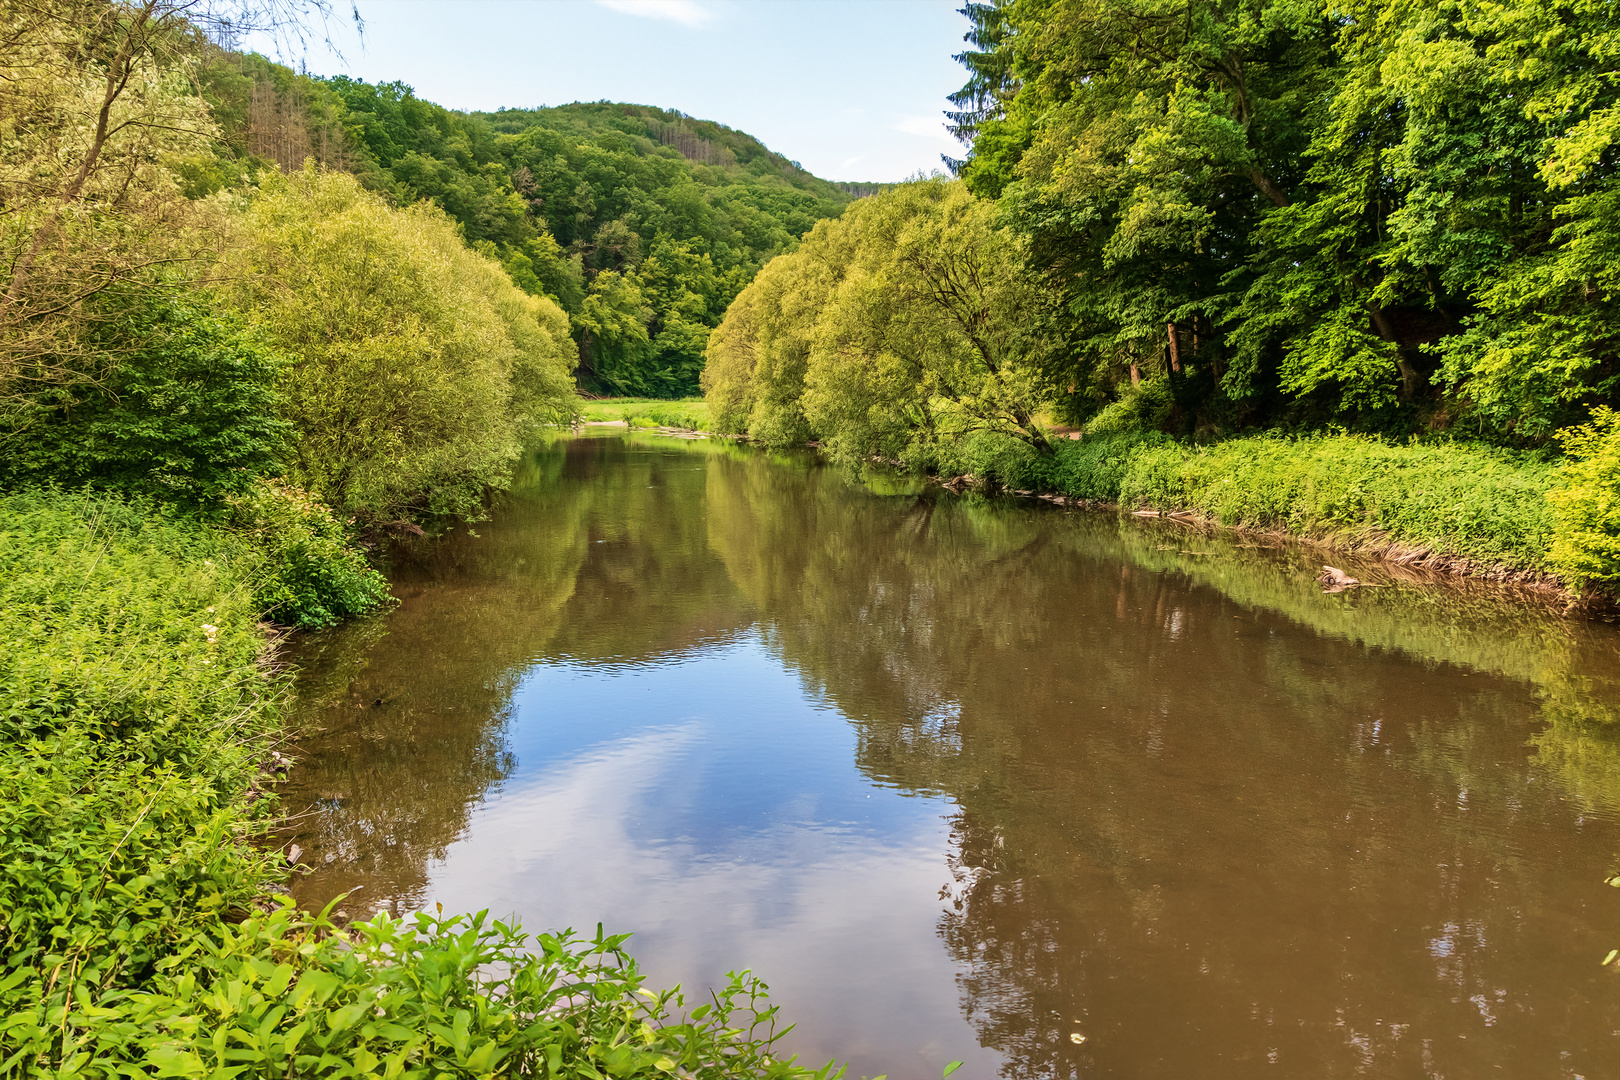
[1056, 793]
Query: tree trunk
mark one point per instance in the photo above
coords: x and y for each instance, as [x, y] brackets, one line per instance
[1386, 330]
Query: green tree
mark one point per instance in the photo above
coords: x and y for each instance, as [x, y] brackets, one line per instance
[910, 320]
[614, 345]
[187, 408]
[1385, 214]
[418, 365]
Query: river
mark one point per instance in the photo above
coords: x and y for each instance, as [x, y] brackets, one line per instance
[1053, 792]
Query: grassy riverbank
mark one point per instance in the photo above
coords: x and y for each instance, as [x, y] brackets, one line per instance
[689, 413]
[1469, 508]
[142, 934]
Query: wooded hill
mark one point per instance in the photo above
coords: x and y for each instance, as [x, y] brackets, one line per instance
[642, 223]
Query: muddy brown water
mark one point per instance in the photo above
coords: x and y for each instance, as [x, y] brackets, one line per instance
[1056, 793]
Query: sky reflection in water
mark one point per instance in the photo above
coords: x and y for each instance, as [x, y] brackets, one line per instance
[965, 779]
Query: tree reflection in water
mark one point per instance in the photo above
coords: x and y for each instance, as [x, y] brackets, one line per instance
[1206, 818]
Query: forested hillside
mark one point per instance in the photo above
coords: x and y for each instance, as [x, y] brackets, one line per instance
[642, 224]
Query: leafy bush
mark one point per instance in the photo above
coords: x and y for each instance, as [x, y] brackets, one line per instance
[132, 709]
[1094, 467]
[308, 572]
[1145, 408]
[134, 716]
[1586, 503]
[186, 409]
[988, 456]
[431, 996]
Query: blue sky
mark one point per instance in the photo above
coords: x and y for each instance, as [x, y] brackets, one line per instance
[851, 89]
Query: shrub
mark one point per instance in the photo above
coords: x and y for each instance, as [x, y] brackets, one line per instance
[1586, 503]
[1094, 467]
[287, 994]
[186, 410]
[133, 710]
[1145, 408]
[306, 570]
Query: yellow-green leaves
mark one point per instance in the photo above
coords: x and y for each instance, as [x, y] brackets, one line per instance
[418, 365]
[905, 322]
[1586, 503]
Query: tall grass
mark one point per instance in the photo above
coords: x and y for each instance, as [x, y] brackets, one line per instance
[1479, 504]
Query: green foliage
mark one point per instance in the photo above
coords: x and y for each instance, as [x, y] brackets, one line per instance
[431, 996]
[187, 409]
[681, 213]
[305, 570]
[133, 706]
[1586, 503]
[690, 413]
[906, 324]
[418, 365]
[1145, 408]
[136, 939]
[1388, 216]
[1486, 505]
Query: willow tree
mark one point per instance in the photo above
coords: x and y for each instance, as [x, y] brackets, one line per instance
[418, 366]
[932, 334]
[909, 321]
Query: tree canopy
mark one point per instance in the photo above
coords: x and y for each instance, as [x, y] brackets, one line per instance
[642, 224]
[1383, 214]
[909, 320]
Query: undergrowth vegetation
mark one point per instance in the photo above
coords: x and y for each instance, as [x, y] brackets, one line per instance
[1487, 506]
[1586, 544]
[139, 939]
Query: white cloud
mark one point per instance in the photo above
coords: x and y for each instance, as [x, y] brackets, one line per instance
[853, 160]
[685, 12]
[929, 127]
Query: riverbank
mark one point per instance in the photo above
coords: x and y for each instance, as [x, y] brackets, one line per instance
[142, 710]
[1453, 509]
[1449, 508]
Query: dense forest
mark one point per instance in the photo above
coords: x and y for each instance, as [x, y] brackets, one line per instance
[1386, 215]
[1209, 220]
[641, 223]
